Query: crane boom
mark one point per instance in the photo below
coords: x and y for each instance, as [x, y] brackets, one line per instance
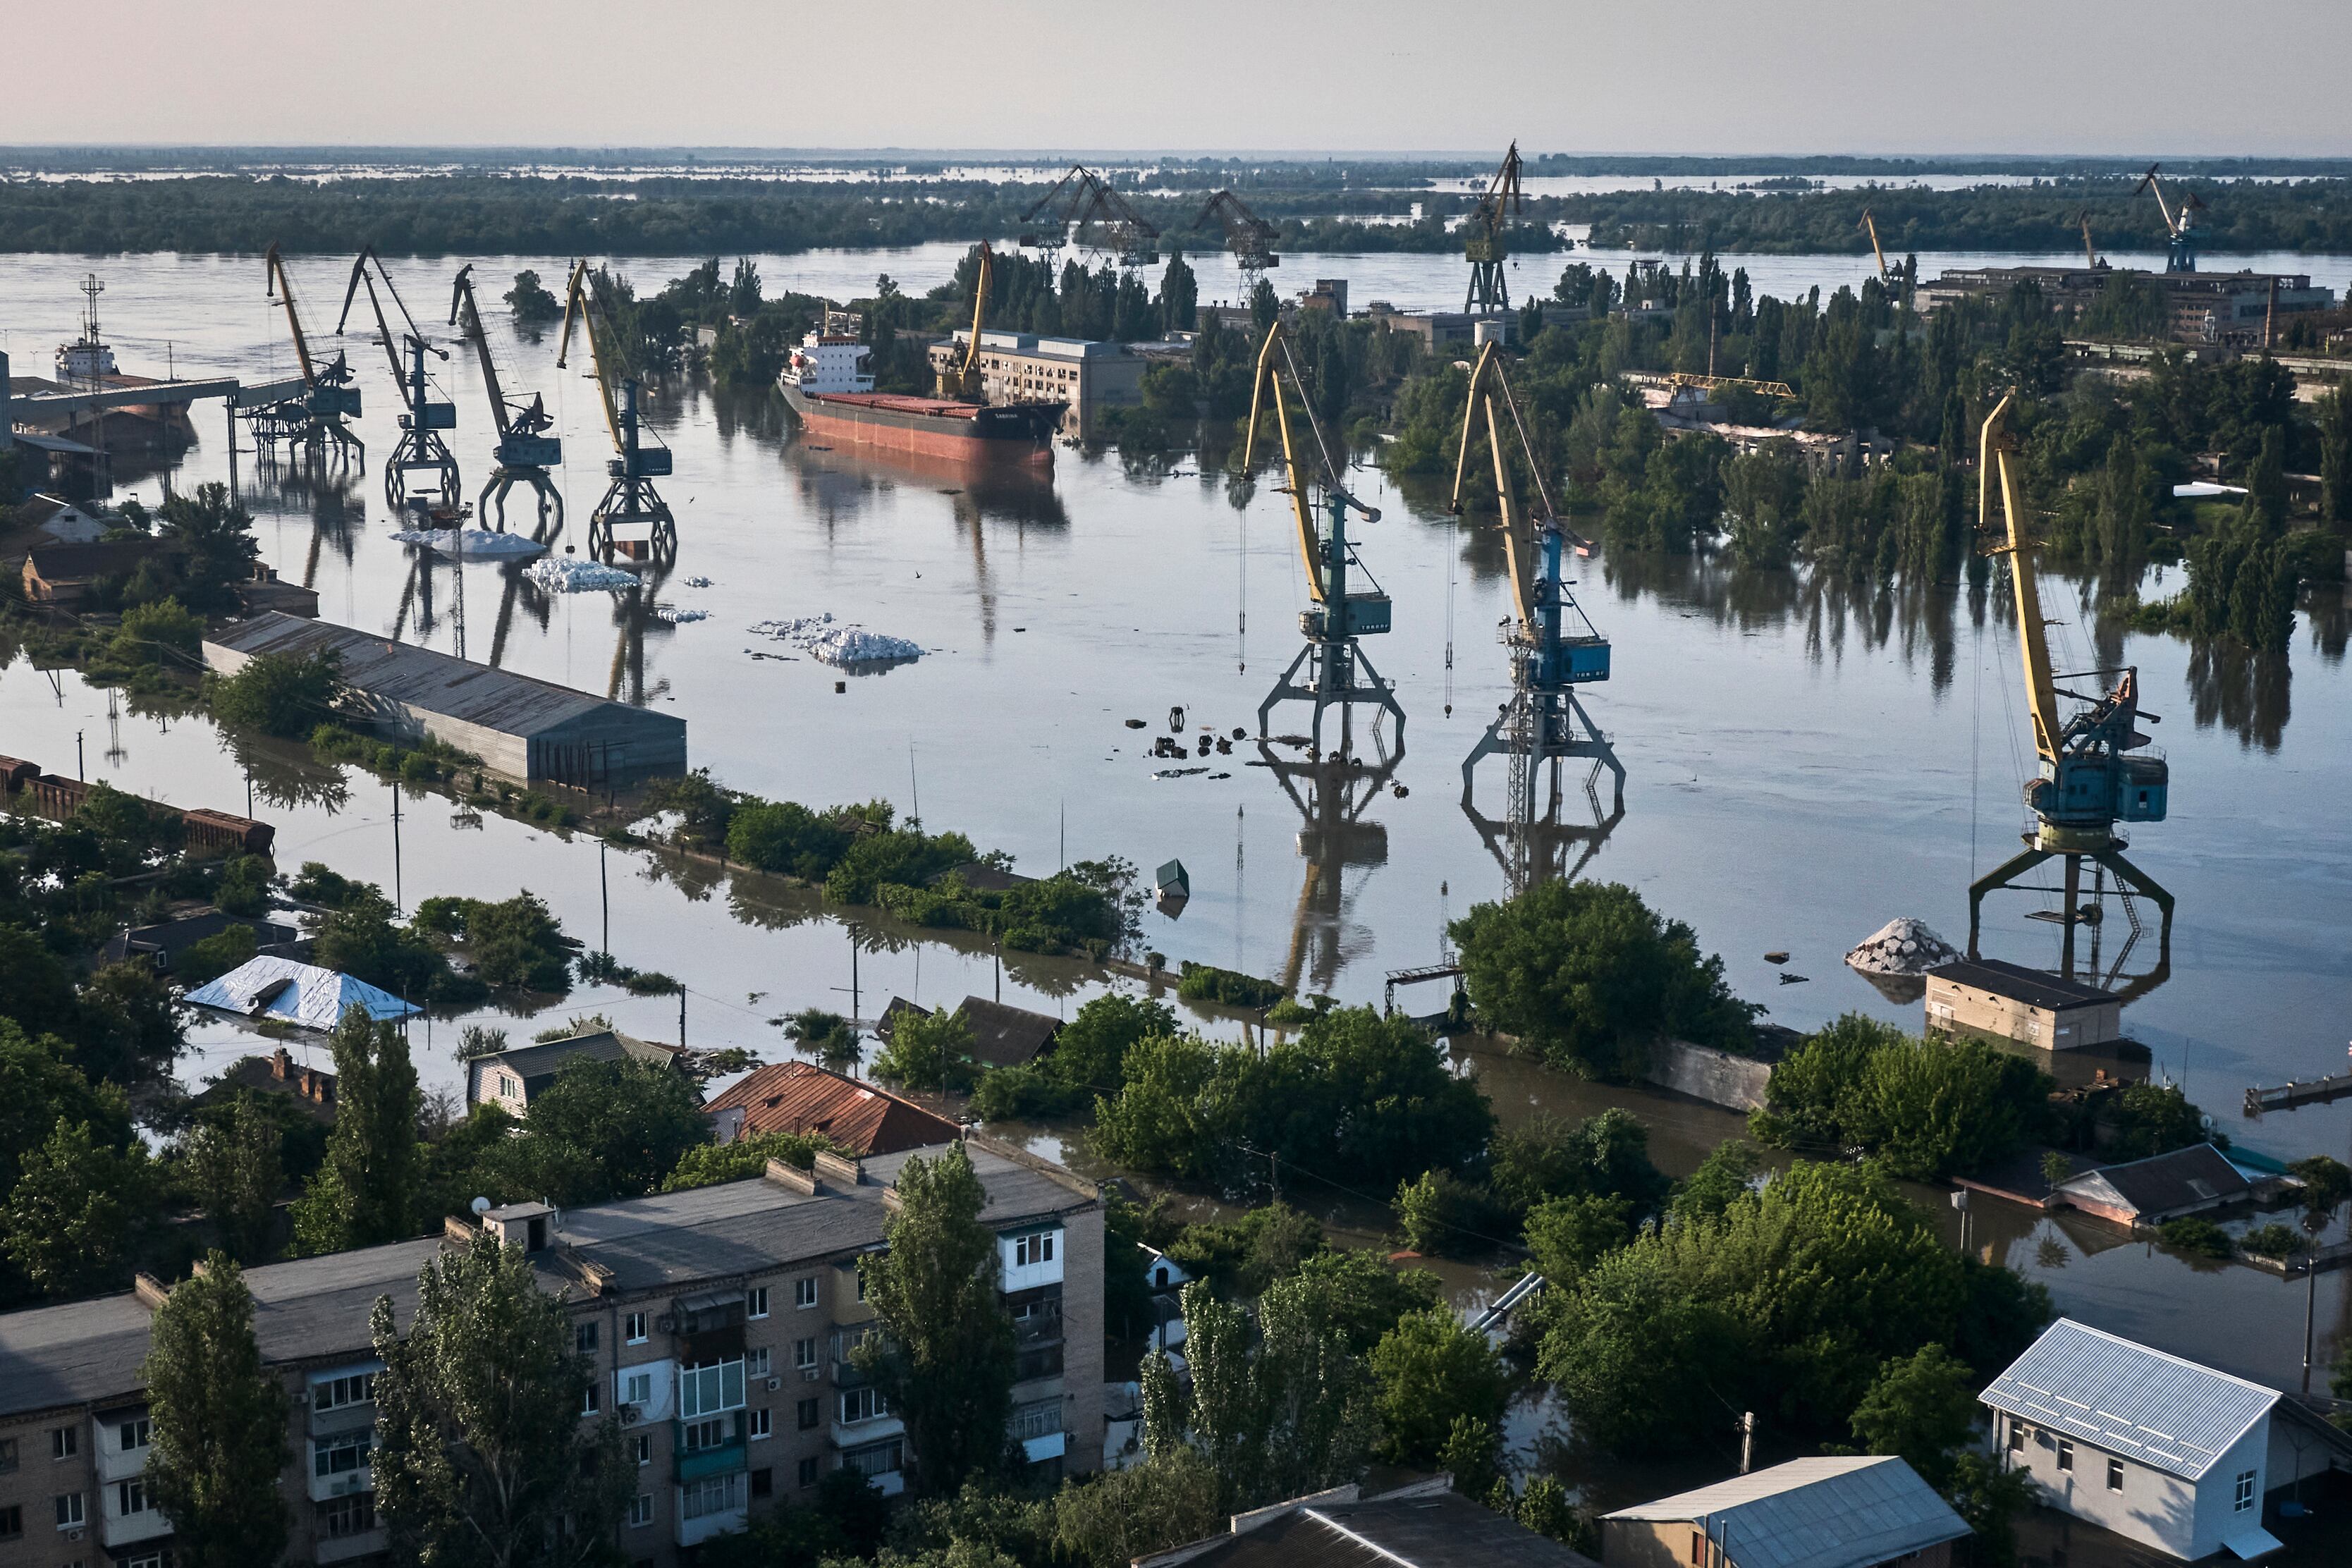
[461, 304]
[1488, 382]
[361, 274]
[2090, 252]
[579, 301]
[1871, 223]
[1271, 377]
[964, 381]
[1995, 470]
[285, 289]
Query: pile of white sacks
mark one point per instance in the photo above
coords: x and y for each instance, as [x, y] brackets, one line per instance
[1903, 946]
[837, 642]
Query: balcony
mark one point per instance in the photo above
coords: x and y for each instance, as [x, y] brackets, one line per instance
[343, 1483]
[1029, 1334]
[707, 1459]
[343, 1548]
[873, 1430]
[116, 1528]
[845, 1375]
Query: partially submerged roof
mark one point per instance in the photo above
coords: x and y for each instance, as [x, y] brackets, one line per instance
[2033, 987]
[433, 682]
[1428, 1529]
[303, 993]
[2191, 1178]
[2169, 1413]
[542, 1060]
[1006, 1036]
[863, 1117]
[1845, 1512]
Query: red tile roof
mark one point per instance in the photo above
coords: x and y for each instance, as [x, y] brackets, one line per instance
[865, 1118]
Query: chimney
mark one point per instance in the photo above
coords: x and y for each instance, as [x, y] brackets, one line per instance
[280, 1064]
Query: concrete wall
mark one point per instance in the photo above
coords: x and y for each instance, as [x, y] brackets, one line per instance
[1704, 1073]
[1082, 1341]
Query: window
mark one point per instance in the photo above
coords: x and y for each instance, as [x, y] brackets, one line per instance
[641, 1511]
[713, 1494]
[808, 1468]
[144, 1560]
[808, 1414]
[758, 1423]
[335, 1392]
[763, 1483]
[645, 1449]
[68, 1507]
[863, 1404]
[2016, 1436]
[876, 1458]
[7, 1455]
[804, 1293]
[65, 1442]
[633, 1328]
[2242, 1498]
[1698, 1549]
[134, 1435]
[2065, 1453]
[755, 1302]
[131, 1496]
[12, 1521]
[340, 1454]
[702, 1390]
[353, 1515]
[636, 1388]
[583, 1337]
[702, 1435]
[804, 1353]
[1038, 1418]
[2115, 1475]
[755, 1363]
[1035, 1247]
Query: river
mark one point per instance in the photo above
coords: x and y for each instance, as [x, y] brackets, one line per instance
[1806, 760]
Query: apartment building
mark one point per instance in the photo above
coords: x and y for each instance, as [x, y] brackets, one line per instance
[720, 1322]
[1025, 367]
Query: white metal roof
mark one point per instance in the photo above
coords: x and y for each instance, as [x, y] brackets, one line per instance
[1837, 1512]
[302, 994]
[2169, 1413]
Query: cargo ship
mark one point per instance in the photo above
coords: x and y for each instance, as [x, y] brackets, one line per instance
[828, 385]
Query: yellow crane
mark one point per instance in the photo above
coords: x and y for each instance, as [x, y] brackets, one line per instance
[964, 382]
[2090, 251]
[1870, 223]
[1341, 674]
[631, 505]
[1544, 722]
[2087, 779]
[1485, 247]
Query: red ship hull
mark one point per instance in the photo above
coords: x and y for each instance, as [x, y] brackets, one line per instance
[931, 426]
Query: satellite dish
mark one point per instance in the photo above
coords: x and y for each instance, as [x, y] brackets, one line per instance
[480, 1205]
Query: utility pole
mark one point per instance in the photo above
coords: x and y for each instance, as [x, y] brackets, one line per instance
[604, 894]
[1747, 1439]
[681, 1014]
[78, 774]
[399, 904]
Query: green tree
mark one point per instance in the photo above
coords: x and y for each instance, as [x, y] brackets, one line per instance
[1922, 1407]
[707, 1164]
[40, 1088]
[481, 1459]
[1589, 977]
[214, 538]
[233, 1165]
[1430, 1371]
[632, 1120]
[1165, 1500]
[944, 1358]
[368, 1190]
[831, 1038]
[531, 301]
[75, 1213]
[1567, 1236]
[2335, 411]
[129, 1031]
[279, 694]
[219, 1424]
[930, 1050]
[1929, 1107]
[1361, 1296]
[1440, 1215]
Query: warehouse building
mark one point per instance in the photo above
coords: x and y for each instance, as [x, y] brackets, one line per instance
[719, 1322]
[1991, 999]
[525, 729]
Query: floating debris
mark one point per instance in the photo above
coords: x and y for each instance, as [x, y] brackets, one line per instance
[1789, 979]
[838, 642]
[1135, 723]
[1178, 772]
[698, 583]
[1902, 946]
[479, 544]
[677, 616]
[1776, 956]
[572, 575]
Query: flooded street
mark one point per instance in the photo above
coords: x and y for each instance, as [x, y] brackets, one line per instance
[1806, 759]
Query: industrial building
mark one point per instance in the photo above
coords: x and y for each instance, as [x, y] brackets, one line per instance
[1015, 367]
[2241, 309]
[520, 727]
[1992, 999]
[719, 1321]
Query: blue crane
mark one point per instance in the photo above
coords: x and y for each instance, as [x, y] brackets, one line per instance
[527, 449]
[420, 449]
[315, 420]
[632, 520]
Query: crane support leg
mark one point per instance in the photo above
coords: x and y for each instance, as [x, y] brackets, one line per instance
[1354, 681]
[2004, 875]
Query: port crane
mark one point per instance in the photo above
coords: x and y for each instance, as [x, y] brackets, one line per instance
[631, 504]
[1341, 673]
[2090, 251]
[963, 383]
[1081, 203]
[527, 447]
[1249, 237]
[2087, 780]
[420, 449]
[2179, 222]
[1554, 647]
[316, 420]
[1485, 248]
[1876, 250]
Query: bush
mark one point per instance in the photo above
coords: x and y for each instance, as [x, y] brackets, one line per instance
[928, 1050]
[2274, 1240]
[1567, 1236]
[1024, 1094]
[1439, 1215]
[784, 836]
[1589, 978]
[1931, 1108]
[318, 883]
[163, 632]
[278, 694]
[2149, 1119]
[708, 1164]
[1206, 983]
[2199, 1238]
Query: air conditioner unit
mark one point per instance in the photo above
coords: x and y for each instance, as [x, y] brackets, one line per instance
[73, 1535]
[808, 1374]
[775, 1383]
[665, 1324]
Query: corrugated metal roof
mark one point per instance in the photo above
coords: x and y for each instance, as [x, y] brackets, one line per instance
[433, 682]
[1007, 1037]
[2152, 1188]
[2169, 1413]
[796, 1097]
[1840, 1512]
[302, 994]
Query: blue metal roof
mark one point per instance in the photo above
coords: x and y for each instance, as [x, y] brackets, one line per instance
[2169, 1413]
[1834, 1513]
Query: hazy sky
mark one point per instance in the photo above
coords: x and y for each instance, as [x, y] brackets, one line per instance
[2126, 77]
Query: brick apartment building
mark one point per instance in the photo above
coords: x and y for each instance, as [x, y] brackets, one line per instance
[720, 1322]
